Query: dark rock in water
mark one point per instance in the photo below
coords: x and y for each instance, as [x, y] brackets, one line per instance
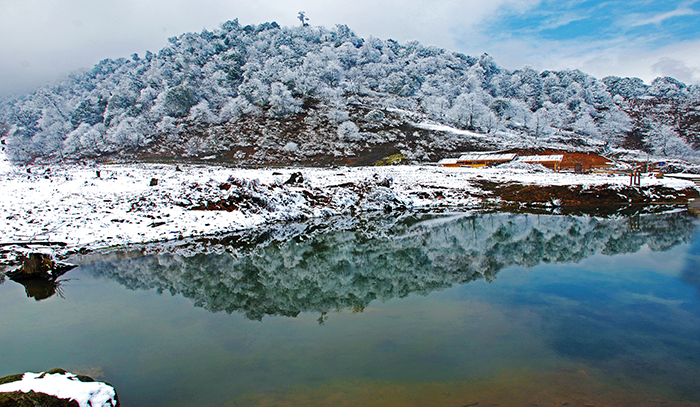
[295, 178]
[39, 288]
[37, 264]
[32, 398]
[154, 182]
[39, 275]
[40, 265]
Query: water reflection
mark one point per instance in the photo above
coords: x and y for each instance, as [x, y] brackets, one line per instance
[691, 271]
[561, 321]
[347, 263]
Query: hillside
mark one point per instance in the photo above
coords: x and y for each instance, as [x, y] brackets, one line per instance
[267, 95]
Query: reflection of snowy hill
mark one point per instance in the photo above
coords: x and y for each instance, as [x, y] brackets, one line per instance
[315, 268]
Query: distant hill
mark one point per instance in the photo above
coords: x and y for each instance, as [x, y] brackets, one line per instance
[265, 94]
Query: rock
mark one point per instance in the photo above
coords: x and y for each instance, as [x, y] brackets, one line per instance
[154, 182]
[37, 264]
[39, 275]
[291, 147]
[375, 116]
[295, 178]
[56, 388]
[386, 182]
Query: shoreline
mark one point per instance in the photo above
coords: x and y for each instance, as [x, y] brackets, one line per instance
[113, 205]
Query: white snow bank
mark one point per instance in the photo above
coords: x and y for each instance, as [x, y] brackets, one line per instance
[64, 386]
[5, 165]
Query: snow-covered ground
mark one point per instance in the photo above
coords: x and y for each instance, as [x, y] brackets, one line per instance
[72, 204]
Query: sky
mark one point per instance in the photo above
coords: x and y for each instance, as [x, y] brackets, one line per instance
[43, 40]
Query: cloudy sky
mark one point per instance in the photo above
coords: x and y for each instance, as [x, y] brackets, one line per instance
[42, 39]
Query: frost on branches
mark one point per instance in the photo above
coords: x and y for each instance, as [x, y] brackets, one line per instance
[206, 91]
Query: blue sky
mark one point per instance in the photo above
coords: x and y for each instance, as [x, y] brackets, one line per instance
[43, 39]
[603, 37]
[656, 23]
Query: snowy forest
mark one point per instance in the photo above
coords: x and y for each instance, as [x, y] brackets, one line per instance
[264, 92]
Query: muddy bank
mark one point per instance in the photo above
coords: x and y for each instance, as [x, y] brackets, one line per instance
[591, 199]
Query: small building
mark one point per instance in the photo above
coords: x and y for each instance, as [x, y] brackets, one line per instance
[449, 162]
[484, 160]
[552, 161]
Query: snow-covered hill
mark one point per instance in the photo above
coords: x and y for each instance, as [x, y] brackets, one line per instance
[265, 94]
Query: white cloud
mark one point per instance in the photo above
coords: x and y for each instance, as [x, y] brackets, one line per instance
[683, 10]
[678, 69]
[619, 57]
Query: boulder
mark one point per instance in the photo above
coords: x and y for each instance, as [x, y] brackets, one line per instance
[39, 275]
[295, 178]
[56, 388]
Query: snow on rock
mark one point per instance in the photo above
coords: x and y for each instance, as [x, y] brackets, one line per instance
[112, 205]
[65, 385]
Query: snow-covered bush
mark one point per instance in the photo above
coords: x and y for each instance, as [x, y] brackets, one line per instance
[348, 131]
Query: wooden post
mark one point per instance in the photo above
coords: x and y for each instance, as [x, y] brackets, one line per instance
[635, 178]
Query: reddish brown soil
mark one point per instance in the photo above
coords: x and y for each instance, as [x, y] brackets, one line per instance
[595, 196]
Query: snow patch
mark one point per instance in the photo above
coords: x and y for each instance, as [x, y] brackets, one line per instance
[448, 129]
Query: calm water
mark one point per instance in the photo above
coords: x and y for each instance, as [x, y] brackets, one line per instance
[441, 310]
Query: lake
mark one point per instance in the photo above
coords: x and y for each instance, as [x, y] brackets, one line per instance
[459, 309]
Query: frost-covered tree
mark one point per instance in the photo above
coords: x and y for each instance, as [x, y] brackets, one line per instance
[302, 17]
[324, 76]
[281, 101]
[348, 131]
[664, 140]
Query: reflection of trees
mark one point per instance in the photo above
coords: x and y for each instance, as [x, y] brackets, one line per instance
[310, 267]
